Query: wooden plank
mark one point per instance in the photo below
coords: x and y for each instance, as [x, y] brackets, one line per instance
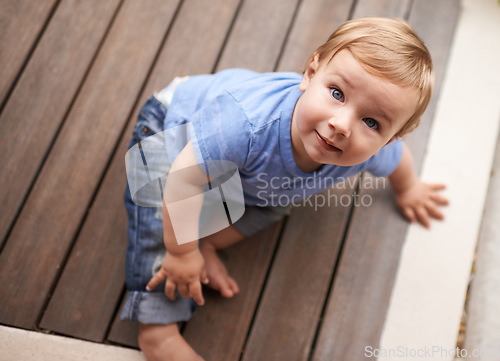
[85, 299]
[53, 212]
[193, 46]
[304, 38]
[258, 35]
[45, 90]
[357, 305]
[20, 25]
[435, 23]
[286, 321]
[386, 8]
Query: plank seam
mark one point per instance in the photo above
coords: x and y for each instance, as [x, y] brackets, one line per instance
[113, 317]
[336, 266]
[353, 8]
[28, 56]
[263, 288]
[288, 33]
[408, 9]
[228, 35]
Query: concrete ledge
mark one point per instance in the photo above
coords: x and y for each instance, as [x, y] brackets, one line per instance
[25, 345]
[428, 296]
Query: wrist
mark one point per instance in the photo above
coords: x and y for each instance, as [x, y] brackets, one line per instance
[181, 252]
[404, 176]
[404, 185]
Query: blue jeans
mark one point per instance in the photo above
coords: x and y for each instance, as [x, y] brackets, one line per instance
[146, 249]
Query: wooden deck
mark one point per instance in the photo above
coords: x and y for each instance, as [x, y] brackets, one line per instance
[73, 76]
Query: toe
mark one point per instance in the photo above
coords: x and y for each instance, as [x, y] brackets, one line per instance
[234, 286]
[226, 291]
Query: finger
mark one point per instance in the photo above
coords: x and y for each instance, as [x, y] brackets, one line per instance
[196, 293]
[155, 280]
[170, 289]
[434, 211]
[204, 277]
[183, 289]
[437, 186]
[423, 217]
[409, 214]
[439, 199]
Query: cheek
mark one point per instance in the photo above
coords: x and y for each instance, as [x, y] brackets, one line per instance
[299, 115]
[365, 144]
[307, 113]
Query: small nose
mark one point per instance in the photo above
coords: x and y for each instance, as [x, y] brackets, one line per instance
[341, 125]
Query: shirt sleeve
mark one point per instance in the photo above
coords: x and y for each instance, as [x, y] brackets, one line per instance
[386, 160]
[222, 132]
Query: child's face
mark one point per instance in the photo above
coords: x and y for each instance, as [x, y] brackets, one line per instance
[346, 115]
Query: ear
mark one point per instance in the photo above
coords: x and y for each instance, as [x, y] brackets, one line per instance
[309, 72]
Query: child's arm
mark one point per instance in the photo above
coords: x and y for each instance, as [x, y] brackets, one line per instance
[183, 266]
[417, 200]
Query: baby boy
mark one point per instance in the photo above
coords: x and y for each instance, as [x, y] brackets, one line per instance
[361, 91]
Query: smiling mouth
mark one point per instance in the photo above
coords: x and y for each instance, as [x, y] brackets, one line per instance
[325, 144]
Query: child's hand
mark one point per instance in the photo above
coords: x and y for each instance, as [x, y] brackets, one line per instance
[184, 272]
[421, 201]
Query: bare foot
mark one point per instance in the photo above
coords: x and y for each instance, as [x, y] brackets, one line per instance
[165, 343]
[218, 278]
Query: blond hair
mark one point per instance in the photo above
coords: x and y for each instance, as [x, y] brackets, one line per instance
[387, 48]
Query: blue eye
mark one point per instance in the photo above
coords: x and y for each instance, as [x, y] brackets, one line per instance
[337, 94]
[371, 123]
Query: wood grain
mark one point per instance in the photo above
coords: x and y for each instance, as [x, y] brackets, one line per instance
[258, 35]
[53, 212]
[316, 20]
[20, 25]
[38, 105]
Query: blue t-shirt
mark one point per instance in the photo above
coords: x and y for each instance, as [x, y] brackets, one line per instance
[245, 117]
